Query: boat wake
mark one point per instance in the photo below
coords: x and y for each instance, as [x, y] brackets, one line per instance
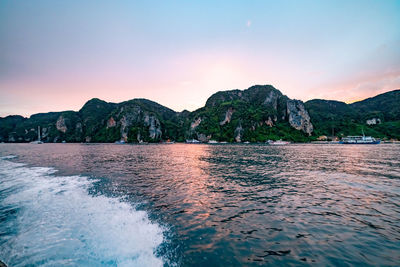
[52, 220]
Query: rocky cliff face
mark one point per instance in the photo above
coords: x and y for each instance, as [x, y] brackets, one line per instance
[139, 120]
[111, 122]
[250, 115]
[97, 121]
[154, 125]
[228, 116]
[60, 125]
[272, 99]
[298, 116]
[238, 133]
[256, 114]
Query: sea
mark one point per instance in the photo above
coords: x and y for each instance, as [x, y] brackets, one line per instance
[199, 205]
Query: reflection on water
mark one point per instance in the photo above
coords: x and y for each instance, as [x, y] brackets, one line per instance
[251, 204]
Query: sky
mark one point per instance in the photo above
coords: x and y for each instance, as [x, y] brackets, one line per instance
[56, 55]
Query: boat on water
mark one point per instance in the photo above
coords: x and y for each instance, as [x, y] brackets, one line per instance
[192, 141]
[359, 140]
[277, 143]
[37, 141]
[213, 142]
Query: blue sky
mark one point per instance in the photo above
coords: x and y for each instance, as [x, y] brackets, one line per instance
[55, 55]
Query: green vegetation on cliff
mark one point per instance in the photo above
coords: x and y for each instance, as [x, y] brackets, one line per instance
[378, 116]
[256, 114]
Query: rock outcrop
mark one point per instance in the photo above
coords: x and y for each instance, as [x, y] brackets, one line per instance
[154, 126]
[373, 121]
[228, 116]
[235, 116]
[195, 124]
[60, 124]
[269, 122]
[256, 114]
[298, 116]
[238, 133]
[272, 99]
[245, 113]
[111, 122]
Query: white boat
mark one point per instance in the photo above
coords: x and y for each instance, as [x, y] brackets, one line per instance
[212, 142]
[359, 140]
[278, 143]
[192, 141]
[38, 141]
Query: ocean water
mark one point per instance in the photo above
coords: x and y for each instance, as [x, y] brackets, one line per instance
[199, 205]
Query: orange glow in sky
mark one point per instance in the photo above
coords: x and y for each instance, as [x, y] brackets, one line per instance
[56, 56]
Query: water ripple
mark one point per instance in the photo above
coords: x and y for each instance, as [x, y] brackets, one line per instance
[236, 205]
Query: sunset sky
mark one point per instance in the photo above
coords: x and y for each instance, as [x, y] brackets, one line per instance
[56, 55]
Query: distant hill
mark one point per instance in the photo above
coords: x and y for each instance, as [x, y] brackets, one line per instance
[386, 106]
[256, 114]
[378, 116]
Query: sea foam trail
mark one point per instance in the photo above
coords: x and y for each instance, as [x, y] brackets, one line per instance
[51, 220]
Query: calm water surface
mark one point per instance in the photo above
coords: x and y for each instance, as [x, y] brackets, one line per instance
[201, 205]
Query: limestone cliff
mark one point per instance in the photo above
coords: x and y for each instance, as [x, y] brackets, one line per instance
[256, 114]
[298, 116]
[60, 125]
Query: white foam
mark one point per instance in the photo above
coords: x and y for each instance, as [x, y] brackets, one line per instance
[59, 223]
